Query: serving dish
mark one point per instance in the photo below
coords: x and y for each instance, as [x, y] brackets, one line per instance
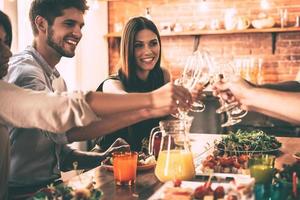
[191, 186]
[268, 22]
[247, 142]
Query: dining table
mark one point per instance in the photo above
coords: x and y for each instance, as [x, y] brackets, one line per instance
[147, 183]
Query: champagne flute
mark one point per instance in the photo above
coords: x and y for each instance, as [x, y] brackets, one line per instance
[196, 72]
[204, 65]
[189, 79]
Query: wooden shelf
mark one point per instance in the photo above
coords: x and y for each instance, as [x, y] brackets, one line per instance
[198, 33]
[218, 32]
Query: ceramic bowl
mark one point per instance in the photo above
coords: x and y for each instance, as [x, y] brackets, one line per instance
[263, 23]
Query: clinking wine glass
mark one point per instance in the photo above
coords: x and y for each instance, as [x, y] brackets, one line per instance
[224, 73]
[233, 111]
[188, 79]
[231, 120]
[189, 84]
[204, 65]
[196, 73]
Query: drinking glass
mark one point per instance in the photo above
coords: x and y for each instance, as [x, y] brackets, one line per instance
[205, 66]
[125, 166]
[188, 79]
[262, 168]
[225, 72]
[283, 12]
[230, 120]
[196, 73]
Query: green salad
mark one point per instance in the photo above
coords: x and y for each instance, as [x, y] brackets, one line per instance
[242, 142]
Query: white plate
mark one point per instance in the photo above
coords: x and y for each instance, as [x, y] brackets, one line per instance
[159, 194]
[185, 184]
[227, 175]
[242, 172]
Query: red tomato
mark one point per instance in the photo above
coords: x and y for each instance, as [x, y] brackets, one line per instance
[176, 183]
[219, 192]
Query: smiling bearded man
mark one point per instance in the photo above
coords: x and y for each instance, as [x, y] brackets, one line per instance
[63, 36]
[37, 156]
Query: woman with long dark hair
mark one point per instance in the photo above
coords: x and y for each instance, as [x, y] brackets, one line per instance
[139, 71]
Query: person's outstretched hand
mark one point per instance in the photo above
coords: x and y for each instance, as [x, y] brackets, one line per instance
[171, 96]
[235, 90]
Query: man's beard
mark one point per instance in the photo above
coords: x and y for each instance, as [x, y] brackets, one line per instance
[56, 46]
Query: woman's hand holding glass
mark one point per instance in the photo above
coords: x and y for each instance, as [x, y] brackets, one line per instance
[195, 78]
[204, 66]
[188, 84]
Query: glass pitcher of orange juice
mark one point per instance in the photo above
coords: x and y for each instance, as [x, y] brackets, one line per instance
[175, 160]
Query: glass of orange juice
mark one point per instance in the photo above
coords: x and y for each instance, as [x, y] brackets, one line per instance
[125, 166]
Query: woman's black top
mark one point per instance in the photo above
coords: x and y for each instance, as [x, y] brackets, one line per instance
[135, 133]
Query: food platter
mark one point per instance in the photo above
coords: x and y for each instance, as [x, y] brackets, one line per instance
[144, 167]
[223, 164]
[193, 185]
[159, 194]
[231, 153]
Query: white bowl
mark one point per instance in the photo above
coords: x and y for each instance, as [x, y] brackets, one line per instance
[263, 23]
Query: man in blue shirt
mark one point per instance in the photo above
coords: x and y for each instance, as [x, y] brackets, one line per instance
[37, 156]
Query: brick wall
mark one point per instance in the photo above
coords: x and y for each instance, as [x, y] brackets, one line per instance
[281, 66]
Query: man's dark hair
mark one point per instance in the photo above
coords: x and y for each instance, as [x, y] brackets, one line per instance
[50, 9]
[5, 22]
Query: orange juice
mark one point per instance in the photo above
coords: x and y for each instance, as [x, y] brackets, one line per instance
[175, 164]
[125, 165]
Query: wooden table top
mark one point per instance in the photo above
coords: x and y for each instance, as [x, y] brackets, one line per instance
[147, 183]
